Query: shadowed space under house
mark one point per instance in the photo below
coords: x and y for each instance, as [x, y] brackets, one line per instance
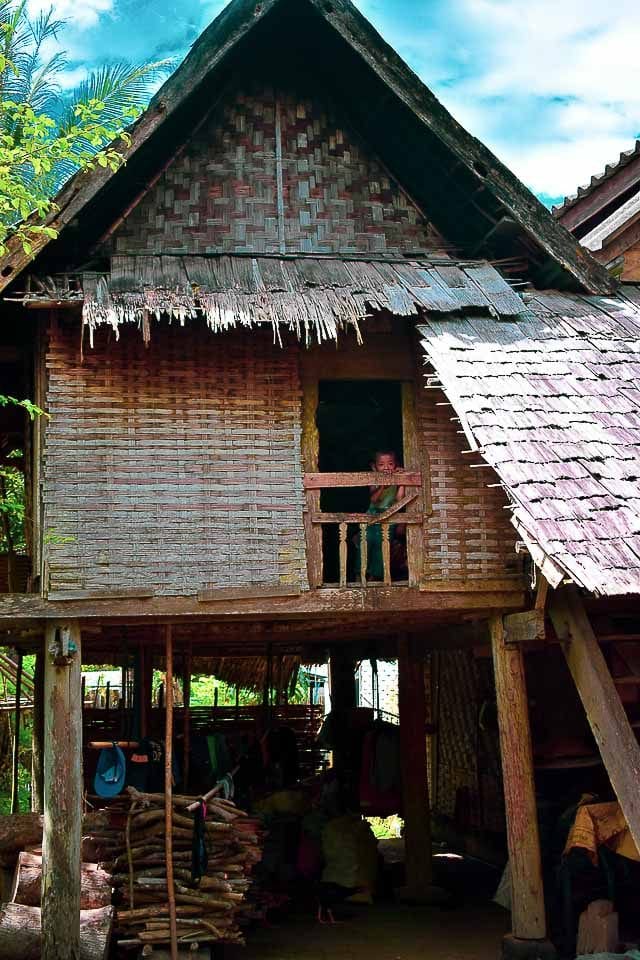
[384, 933]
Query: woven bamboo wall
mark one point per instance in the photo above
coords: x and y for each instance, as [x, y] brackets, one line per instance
[469, 784]
[173, 467]
[221, 194]
[469, 538]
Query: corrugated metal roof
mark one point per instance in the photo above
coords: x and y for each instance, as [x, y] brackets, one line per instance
[551, 401]
[314, 296]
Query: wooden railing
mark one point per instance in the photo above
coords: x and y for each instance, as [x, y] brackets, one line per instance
[409, 510]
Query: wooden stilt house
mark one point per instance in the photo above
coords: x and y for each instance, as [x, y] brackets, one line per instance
[304, 261]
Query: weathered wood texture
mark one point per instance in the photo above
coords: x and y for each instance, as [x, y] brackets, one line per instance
[176, 467]
[468, 537]
[24, 831]
[607, 717]
[527, 894]
[20, 936]
[27, 883]
[415, 787]
[62, 801]
[221, 194]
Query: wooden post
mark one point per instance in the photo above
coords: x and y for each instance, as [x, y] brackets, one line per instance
[527, 893]
[609, 723]
[415, 786]
[15, 791]
[186, 715]
[37, 739]
[342, 689]
[61, 834]
[168, 789]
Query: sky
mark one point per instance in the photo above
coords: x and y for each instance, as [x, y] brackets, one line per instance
[551, 86]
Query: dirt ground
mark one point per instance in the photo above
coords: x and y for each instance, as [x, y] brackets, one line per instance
[384, 933]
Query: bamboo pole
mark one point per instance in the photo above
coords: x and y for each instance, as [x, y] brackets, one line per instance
[15, 793]
[186, 716]
[168, 790]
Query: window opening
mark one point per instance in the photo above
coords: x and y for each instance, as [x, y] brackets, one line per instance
[356, 420]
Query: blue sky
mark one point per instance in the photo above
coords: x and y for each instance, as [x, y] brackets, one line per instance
[551, 86]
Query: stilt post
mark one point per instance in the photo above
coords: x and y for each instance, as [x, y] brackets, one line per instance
[61, 834]
[415, 784]
[15, 785]
[168, 789]
[528, 918]
[37, 736]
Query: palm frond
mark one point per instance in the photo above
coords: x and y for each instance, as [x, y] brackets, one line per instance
[120, 86]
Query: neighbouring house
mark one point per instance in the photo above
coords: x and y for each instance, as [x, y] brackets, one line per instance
[326, 382]
[604, 215]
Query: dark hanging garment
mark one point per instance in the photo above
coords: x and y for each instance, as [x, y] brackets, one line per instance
[199, 857]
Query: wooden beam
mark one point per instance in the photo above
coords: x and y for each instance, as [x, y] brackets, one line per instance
[609, 723]
[525, 627]
[415, 784]
[62, 793]
[527, 894]
[257, 592]
[16, 610]
[326, 481]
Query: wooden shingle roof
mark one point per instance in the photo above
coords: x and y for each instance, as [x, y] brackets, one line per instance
[552, 402]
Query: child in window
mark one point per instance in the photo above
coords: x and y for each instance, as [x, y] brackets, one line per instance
[382, 498]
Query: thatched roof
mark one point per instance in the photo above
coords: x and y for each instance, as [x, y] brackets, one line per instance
[465, 191]
[551, 401]
[312, 296]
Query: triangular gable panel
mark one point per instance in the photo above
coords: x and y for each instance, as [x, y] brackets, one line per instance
[273, 172]
[463, 189]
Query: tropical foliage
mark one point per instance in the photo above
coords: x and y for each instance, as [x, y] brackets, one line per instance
[47, 134]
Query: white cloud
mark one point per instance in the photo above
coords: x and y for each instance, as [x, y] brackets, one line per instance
[551, 86]
[80, 14]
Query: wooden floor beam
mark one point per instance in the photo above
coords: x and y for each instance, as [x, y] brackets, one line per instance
[609, 723]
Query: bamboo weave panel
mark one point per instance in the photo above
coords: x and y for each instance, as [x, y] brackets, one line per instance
[220, 194]
[469, 536]
[176, 466]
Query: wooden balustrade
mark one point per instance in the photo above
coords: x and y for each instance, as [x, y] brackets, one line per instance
[314, 482]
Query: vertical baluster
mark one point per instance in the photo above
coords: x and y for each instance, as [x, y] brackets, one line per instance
[343, 554]
[364, 555]
[386, 553]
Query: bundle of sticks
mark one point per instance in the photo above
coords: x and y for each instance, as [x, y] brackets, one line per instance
[209, 909]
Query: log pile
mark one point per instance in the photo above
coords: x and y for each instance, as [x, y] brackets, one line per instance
[209, 910]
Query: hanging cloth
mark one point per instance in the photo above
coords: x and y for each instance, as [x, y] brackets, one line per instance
[199, 856]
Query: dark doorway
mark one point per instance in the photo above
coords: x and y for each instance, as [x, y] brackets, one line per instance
[355, 419]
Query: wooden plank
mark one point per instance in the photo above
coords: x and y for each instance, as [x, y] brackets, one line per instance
[413, 758]
[367, 518]
[218, 594]
[24, 609]
[327, 481]
[524, 627]
[527, 899]
[310, 455]
[118, 593]
[61, 835]
[609, 723]
[413, 461]
[386, 554]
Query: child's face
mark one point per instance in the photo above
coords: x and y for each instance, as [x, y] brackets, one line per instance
[385, 463]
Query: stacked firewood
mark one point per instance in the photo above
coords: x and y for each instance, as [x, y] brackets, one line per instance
[210, 909]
